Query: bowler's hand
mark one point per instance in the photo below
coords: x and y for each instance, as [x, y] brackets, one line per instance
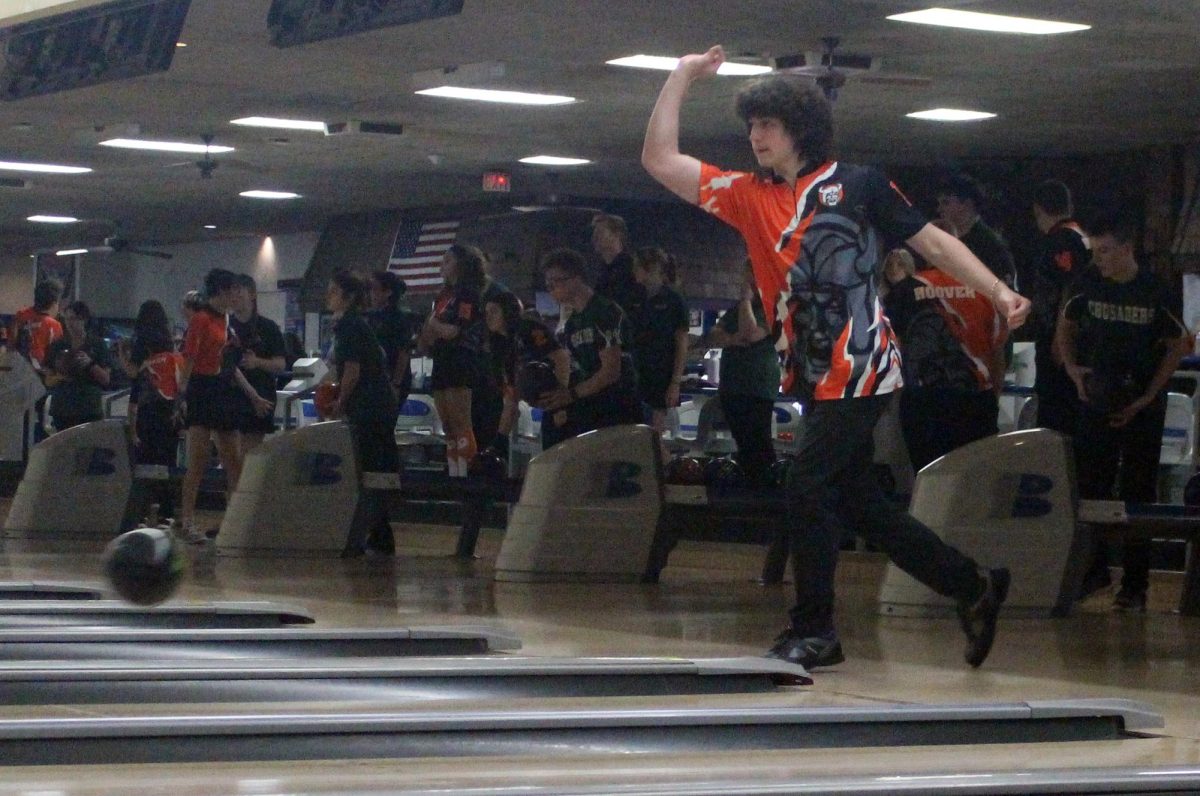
[1077, 374]
[554, 399]
[1121, 418]
[701, 65]
[1013, 306]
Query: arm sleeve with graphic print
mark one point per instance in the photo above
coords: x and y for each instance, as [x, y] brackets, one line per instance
[725, 194]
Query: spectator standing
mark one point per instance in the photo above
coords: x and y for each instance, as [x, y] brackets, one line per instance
[84, 368]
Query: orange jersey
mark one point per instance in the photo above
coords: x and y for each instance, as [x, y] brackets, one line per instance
[42, 329]
[162, 373]
[205, 342]
[815, 252]
[950, 333]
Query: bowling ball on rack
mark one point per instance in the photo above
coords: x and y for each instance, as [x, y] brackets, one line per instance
[325, 397]
[781, 472]
[535, 379]
[684, 470]
[144, 566]
[1191, 491]
[488, 464]
[728, 475]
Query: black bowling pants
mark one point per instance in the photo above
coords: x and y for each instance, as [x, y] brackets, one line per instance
[936, 421]
[749, 421]
[832, 486]
[1134, 450]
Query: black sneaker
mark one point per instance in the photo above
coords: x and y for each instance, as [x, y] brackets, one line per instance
[978, 619]
[1097, 579]
[811, 652]
[1130, 600]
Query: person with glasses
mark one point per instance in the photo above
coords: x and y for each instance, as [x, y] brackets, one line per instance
[603, 388]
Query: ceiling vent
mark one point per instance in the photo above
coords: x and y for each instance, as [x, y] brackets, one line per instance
[359, 127]
[14, 182]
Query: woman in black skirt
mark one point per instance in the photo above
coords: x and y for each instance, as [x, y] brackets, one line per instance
[365, 397]
[153, 366]
[456, 337]
[210, 404]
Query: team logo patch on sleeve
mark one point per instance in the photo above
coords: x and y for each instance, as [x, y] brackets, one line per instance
[830, 195]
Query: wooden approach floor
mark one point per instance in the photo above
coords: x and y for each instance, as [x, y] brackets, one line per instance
[707, 605]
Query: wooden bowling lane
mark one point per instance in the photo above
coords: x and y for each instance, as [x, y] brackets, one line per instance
[880, 770]
[707, 605]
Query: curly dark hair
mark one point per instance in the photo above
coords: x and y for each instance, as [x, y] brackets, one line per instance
[799, 105]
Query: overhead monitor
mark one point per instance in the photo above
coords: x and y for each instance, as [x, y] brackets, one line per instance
[60, 46]
[295, 22]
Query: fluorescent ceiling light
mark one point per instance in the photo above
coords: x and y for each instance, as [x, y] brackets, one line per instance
[281, 124]
[993, 23]
[552, 160]
[181, 44]
[269, 195]
[667, 63]
[166, 146]
[52, 219]
[210, 226]
[69, 252]
[950, 115]
[43, 168]
[490, 95]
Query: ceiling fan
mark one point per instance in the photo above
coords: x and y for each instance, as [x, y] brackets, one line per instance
[207, 164]
[831, 69]
[115, 243]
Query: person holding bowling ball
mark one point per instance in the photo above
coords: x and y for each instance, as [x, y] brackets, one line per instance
[81, 369]
[1121, 338]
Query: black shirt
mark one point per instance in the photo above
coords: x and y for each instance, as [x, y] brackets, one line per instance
[589, 331]
[616, 282]
[655, 320]
[262, 337]
[394, 333]
[986, 244]
[355, 342]
[1062, 257]
[1123, 326]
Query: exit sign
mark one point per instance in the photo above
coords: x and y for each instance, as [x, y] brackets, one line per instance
[497, 181]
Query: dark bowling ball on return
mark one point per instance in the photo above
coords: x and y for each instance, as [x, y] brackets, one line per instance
[713, 469]
[535, 379]
[781, 472]
[1191, 491]
[488, 464]
[730, 475]
[144, 566]
[684, 470]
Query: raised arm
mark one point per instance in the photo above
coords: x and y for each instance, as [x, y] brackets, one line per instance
[678, 172]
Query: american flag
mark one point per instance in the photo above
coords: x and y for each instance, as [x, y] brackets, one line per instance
[417, 254]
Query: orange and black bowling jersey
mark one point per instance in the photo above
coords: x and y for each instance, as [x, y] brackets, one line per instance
[42, 329]
[815, 251]
[161, 372]
[204, 342]
[949, 332]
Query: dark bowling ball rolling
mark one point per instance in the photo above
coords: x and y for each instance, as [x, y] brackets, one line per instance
[144, 566]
